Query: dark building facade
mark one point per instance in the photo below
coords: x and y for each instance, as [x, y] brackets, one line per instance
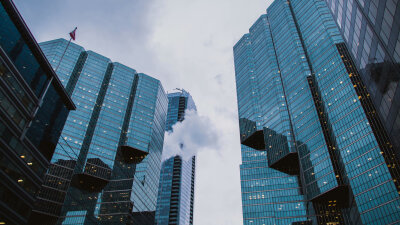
[175, 202]
[314, 149]
[33, 109]
[107, 162]
[371, 32]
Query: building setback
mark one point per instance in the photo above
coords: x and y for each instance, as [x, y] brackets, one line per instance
[175, 202]
[305, 112]
[33, 109]
[106, 166]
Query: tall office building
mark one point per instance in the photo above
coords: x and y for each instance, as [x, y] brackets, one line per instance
[269, 196]
[33, 109]
[371, 31]
[305, 113]
[107, 162]
[178, 102]
[175, 200]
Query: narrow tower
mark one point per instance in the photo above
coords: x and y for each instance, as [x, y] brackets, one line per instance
[176, 190]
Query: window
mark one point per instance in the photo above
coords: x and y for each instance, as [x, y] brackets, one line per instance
[397, 51]
[373, 9]
[387, 23]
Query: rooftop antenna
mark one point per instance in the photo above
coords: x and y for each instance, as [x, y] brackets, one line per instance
[183, 91]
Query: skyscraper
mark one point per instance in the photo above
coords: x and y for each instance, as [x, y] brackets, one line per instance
[175, 200]
[33, 109]
[107, 162]
[305, 113]
[178, 102]
[269, 196]
[371, 31]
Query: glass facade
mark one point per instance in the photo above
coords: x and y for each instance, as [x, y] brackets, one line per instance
[33, 109]
[175, 200]
[371, 31]
[303, 106]
[268, 195]
[107, 162]
[178, 102]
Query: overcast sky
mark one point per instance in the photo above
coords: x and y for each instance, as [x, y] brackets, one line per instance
[185, 44]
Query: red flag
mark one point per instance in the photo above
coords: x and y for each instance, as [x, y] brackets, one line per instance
[72, 34]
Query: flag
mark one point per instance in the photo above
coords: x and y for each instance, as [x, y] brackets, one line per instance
[72, 34]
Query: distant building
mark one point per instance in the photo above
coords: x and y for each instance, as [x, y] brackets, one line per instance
[175, 201]
[178, 102]
[371, 32]
[33, 109]
[314, 150]
[107, 162]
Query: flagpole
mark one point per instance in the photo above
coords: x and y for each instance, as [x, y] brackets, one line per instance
[43, 94]
[62, 56]
[72, 36]
[51, 80]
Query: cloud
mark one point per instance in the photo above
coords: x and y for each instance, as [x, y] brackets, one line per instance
[185, 44]
[196, 133]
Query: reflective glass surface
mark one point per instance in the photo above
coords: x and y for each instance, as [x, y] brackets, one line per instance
[176, 188]
[120, 114]
[29, 131]
[321, 115]
[371, 31]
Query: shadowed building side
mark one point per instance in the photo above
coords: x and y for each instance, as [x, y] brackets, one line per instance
[33, 109]
[371, 33]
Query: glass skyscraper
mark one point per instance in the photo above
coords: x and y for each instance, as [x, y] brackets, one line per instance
[33, 109]
[371, 31]
[107, 162]
[178, 102]
[314, 150]
[175, 200]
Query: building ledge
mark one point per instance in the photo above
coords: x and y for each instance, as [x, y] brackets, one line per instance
[289, 163]
[88, 182]
[308, 222]
[336, 197]
[255, 140]
[132, 155]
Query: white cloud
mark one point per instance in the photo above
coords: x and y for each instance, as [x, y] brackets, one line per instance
[191, 136]
[185, 44]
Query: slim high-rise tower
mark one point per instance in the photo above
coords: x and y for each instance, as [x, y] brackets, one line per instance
[176, 190]
[305, 112]
[107, 162]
